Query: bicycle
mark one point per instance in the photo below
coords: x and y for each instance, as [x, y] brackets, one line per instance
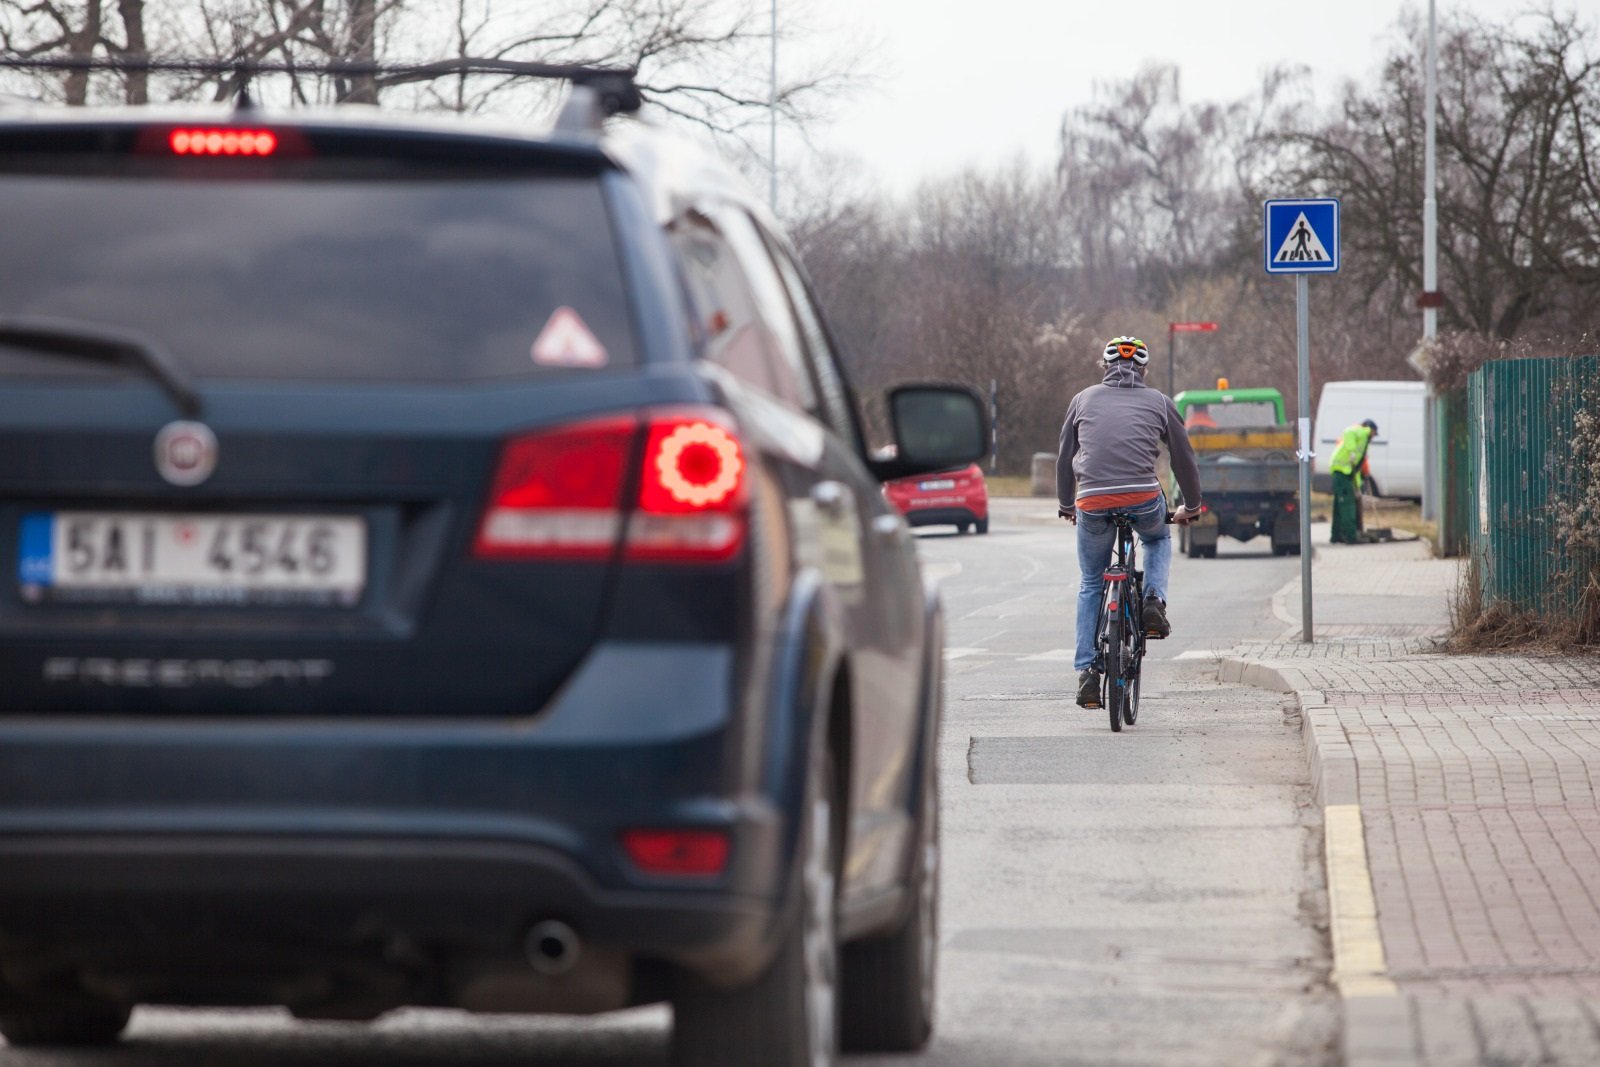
[1119, 627]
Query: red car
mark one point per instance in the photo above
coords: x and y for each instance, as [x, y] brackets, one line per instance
[958, 498]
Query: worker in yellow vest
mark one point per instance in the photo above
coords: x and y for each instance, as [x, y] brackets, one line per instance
[1348, 463]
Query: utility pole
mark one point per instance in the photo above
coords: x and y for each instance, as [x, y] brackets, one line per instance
[1431, 443]
[772, 118]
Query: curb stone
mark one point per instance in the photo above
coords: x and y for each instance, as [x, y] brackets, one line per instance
[1377, 1028]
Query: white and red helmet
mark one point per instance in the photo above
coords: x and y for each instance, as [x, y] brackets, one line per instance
[1121, 348]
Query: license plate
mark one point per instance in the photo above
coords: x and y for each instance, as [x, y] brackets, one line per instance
[942, 483]
[160, 558]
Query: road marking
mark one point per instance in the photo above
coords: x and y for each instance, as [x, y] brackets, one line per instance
[1359, 967]
[958, 653]
[1055, 655]
[1198, 653]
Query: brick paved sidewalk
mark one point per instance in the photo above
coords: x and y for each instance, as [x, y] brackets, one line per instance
[1475, 779]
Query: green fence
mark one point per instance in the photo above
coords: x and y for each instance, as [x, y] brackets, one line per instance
[1454, 446]
[1519, 421]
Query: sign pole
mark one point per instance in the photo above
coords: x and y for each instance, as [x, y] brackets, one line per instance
[1172, 357]
[1302, 322]
[1301, 237]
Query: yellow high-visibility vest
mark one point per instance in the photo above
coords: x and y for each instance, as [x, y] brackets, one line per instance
[1352, 450]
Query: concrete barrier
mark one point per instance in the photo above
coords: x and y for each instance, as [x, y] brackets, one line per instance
[1044, 474]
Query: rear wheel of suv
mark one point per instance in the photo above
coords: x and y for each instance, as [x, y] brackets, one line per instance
[887, 987]
[71, 1022]
[983, 526]
[788, 1017]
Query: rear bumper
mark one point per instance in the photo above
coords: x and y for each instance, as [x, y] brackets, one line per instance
[336, 838]
[328, 896]
[943, 516]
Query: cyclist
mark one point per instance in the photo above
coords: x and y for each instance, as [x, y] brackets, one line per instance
[1109, 445]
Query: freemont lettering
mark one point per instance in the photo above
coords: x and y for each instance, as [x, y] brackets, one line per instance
[186, 673]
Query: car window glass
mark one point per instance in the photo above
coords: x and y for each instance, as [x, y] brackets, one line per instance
[836, 405]
[316, 271]
[754, 308]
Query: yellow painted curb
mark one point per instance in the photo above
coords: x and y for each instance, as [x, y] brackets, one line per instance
[1359, 969]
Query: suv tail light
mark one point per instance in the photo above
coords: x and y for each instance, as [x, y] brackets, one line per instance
[693, 491]
[558, 494]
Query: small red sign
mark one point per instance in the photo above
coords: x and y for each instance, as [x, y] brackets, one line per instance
[1193, 327]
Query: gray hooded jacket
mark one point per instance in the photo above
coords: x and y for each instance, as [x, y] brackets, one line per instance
[1112, 438]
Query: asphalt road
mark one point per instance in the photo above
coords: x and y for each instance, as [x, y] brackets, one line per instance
[1149, 897]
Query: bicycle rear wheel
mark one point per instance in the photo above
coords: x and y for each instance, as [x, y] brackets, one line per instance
[1111, 681]
[1132, 666]
[1130, 711]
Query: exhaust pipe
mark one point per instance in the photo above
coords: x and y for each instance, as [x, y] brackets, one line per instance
[552, 947]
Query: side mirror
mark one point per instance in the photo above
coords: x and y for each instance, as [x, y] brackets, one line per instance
[936, 427]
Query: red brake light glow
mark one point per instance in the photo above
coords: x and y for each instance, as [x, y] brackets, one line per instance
[694, 853]
[558, 493]
[695, 464]
[692, 492]
[222, 142]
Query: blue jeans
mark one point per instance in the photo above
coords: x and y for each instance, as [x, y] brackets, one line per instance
[1096, 539]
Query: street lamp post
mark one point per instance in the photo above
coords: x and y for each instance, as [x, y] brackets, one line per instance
[1431, 444]
[772, 118]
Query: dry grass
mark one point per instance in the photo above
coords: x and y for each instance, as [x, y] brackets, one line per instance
[1399, 515]
[1476, 627]
[1009, 485]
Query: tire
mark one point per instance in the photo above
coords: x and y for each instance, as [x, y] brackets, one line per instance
[1130, 705]
[963, 527]
[983, 526]
[887, 991]
[1113, 675]
[76, 1023]
[787, 1017]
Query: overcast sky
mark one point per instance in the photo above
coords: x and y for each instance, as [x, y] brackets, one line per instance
[976, 82]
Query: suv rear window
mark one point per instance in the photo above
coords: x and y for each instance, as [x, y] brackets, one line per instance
[340, 270]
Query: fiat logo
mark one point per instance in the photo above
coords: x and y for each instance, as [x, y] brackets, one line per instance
[186, 452]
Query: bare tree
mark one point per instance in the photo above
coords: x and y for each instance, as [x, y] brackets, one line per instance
[700, 60]
[1148, 181]
[1519, 218]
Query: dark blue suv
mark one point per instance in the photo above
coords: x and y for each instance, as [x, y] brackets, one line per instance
[450, 570]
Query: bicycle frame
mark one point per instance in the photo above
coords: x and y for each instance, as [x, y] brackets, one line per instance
[1121, 599]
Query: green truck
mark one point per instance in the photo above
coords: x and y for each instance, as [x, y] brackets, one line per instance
[1248, 473]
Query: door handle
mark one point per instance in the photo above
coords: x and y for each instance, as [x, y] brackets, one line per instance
[829, 498]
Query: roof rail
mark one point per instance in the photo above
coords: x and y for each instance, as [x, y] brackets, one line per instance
[612, 89]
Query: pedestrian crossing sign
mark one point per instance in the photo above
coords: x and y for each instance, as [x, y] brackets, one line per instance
[1302, 236]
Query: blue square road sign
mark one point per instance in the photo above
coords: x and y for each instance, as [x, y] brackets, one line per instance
[1301, 236]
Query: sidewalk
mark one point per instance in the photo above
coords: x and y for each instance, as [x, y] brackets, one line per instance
[1462, 825]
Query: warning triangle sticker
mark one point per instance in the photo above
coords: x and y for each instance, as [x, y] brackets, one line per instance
[566, 341]
[1302, 245]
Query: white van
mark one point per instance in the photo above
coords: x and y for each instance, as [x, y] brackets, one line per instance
[1396, 453]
